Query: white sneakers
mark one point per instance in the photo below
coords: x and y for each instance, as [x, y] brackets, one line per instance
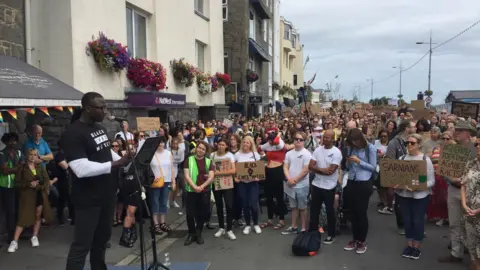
[221, 232]
[248, 229]
[14, 244]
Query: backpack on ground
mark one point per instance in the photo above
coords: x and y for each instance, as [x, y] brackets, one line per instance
[306, 244]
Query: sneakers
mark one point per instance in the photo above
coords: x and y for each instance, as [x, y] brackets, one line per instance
[440, 223]
[415, 254]
[401, 231]
[34, 241]
[257, 229]
[247, 230]
[290, 230]
[238, 223]
[350, 246]
[175, 204]
[231, 235]
[220, 232]
[385, 210]
[329, 240]
[407, 252]
[180, 213]
[361, 248]
[13, 247]
[320, 230]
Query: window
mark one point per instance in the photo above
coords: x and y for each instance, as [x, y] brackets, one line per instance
[286, 32]
[136, 34]
[200, 55]
[252, 24]
[226, 68]
[225, 10]
[294, 41]
[295, 80]
[199, 6]
[265, 31]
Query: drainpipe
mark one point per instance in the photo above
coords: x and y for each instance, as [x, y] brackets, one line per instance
[28, 38]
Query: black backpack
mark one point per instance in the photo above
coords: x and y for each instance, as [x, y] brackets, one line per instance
[306, 244]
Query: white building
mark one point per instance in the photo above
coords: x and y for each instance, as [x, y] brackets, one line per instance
[57, 33]
[276, 50]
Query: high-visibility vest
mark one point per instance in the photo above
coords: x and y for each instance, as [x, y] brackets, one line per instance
[193, 171]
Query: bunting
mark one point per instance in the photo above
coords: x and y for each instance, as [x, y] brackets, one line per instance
[58, 108]
[1, 117]
[13, 113]
[45, 111]
[70, 109]
[31, 111]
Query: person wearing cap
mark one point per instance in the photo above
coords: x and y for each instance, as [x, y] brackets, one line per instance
[462, 135]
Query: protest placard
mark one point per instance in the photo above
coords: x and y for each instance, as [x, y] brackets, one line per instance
[453, 159]
[225, 181]
[418, 104]
[403, 173]
[464, 109]
[227, 122]
[148, 123]
[247, 171]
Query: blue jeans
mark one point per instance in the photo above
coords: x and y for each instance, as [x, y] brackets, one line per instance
[159, 199]
[248, 193]
[413, 213]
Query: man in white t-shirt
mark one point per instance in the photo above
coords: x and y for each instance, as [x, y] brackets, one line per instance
[295, 168]
[130, 137]
[325, 161]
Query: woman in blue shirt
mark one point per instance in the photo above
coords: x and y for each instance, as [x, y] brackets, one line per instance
[361, 162]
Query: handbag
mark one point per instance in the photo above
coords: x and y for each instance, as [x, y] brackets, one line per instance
[306, 244]
[159, 182]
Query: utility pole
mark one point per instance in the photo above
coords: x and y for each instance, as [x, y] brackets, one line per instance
[430, 62]
[400, 68]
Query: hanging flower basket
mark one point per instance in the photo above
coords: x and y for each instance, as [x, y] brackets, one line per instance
[223, 79]
[147, 74]
[183, 72]
[428, 93]
[108, 54]
[275, 86]
[204, 82]
[252, 76]
[215, 83]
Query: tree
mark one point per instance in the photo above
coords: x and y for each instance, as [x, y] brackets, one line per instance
[355, 98]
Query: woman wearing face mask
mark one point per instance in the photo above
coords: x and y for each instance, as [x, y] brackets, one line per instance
[221, 155]
[199, 174]
[414, 203]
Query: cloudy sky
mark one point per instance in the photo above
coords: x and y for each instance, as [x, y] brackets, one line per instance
[362, 39]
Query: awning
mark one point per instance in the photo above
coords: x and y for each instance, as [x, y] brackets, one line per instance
[24, 85]
[261, 9]
[155, 99]
[258, 51]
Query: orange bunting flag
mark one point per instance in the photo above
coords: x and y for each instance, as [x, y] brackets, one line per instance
[70, 109]
[1, 117]
[31, 110]
[13, 113]
[45, 110]
[59, 108]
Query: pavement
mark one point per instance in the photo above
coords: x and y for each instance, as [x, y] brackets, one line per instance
[271, 250]
[55, 244]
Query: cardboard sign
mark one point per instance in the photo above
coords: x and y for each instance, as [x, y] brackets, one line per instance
[247, 171]
[421, 114]
[226, 181]
[464, 109]
[227, 122]
[453, 159]
[418, 104]
[403, 173]
[148, 123]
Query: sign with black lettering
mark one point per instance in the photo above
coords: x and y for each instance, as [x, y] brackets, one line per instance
[224, 181]
[464, 109]
[248, 171]
[453, 159]
[411, 174]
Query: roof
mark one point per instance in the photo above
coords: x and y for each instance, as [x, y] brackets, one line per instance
[461, 94]
[21, 81]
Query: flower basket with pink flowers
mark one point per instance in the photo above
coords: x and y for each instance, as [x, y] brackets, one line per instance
[183, 72]
[215, 83]
[252, 76]
[147, 74]
[204, 82]
[108, 54]
[223, 79]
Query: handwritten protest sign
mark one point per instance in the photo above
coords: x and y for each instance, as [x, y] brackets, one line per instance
[464, 109]
[403, 173]
[227, 122]
[247, 171]
[453, 158]
[148, 123]
[226, 181]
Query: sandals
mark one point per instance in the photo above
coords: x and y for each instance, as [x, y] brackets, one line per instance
[266, 224]
[279, 226]
[157, 230]
[164, 227]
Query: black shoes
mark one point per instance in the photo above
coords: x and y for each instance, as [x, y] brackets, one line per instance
[200, 239]
[209, 226]
[129, 237]
[190, 239]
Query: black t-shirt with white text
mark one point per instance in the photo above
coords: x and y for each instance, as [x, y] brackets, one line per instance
[81, 141]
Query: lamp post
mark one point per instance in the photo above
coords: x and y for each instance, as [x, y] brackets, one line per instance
[371, 84]
[429, 58]
[401, 70]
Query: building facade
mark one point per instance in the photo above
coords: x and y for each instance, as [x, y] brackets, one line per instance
[248, 45]
[291, 57]
[157, 30]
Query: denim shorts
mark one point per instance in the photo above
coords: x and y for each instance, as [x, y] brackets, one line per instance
[159, 199]
[301, 198]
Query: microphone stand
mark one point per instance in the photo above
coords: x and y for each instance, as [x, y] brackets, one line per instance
[141, 192]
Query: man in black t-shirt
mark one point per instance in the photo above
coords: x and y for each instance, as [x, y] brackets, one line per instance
[91, 160]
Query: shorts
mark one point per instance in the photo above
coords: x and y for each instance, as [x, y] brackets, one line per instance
[39, 199]
[301, 198]
[159, 199]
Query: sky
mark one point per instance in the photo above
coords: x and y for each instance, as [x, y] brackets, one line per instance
[358, 40]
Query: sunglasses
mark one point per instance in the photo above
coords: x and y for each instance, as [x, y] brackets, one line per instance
[115, 145]
[384, 136]
[446, 139]
[299, 139]
[142, 136]
[410, 143]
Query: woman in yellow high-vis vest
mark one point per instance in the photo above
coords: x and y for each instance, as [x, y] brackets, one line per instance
[199, 174]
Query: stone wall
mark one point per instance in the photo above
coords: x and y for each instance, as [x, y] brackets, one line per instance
[12, 28]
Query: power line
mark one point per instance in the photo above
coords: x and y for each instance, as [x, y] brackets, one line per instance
[457, 35]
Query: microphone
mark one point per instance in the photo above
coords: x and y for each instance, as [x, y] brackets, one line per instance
[118, 119]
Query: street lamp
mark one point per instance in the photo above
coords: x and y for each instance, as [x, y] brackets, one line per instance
[401, 70]
[429, 58]
[371, 90]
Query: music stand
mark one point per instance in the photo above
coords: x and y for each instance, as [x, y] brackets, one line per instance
[142, 160]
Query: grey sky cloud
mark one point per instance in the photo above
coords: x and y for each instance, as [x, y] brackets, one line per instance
[363, 39]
